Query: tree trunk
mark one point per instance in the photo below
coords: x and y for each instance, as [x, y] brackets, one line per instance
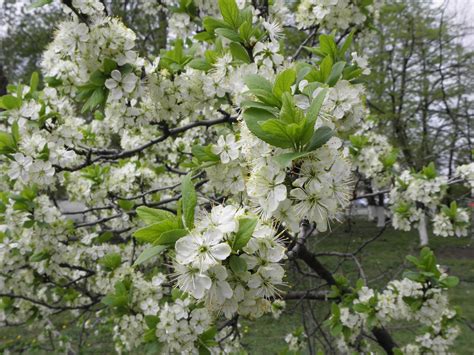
[423, 231]
[371, 212]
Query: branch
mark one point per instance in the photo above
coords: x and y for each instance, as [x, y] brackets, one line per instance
[44, 304]
[308, 295]
[384, 339]
[114, 155]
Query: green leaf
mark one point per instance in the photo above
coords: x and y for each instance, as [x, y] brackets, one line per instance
[204, 154]
[40, 256]
[104, 237]
[200, 64]
[266, 97]
[347, 43]
[40, 3]
[152, 321]
[52, 81]
[9, 102]
[211, 24]
[283, 82]
[34, 81]
[315, 107]
[361, 308]
[336, 329]
[246, 227]
[109, 65]
[189, 200]
[230, 12]
[126, 205]
[271, 109]
[253, 118]
[203, 36]
[289, 113]
[246, 30]
[328, 45]
[336, 72]
[254, 81]
[319, 138]
[412, 259]
[152, 232]
[239, 52]
[237, 264]
[326, 67]
[228, 33]
[97, 78]
[152, 215]
[16, 133]
[7, 143]
[449, 282]
[97, 98]
[285, 159]
[170, 237]
[280, 136]
[149, 253]
[111, 261]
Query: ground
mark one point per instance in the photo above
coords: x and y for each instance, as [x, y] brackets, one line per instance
[382, 260]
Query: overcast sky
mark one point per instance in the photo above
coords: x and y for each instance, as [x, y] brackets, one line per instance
[464, 11]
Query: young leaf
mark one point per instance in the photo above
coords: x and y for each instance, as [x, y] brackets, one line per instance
[228, 33]
[237, 264]
[152, 232]
[230, 12]
[239, 52]
[347, 43]
[9, 102]
[254, 81]
[315, 107]
[149, 253]
[286, 158]
[189, 201]
[450, 281]
[283, 82]
[253, 118]
[204, 154]
[111, 261]
[39, 3]
[152, 215]
[200, 64]
[96, 99]
[246, 227]
[34, 81]
[170, 237]
[336, 72]
[320, 137]
[280, 136]
[326, 67]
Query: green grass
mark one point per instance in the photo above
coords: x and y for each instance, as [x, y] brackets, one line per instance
[382, 260]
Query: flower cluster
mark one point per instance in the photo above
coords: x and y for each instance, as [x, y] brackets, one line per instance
[414, 194]
[242, 282]
[296, 340]
[451, 221]
[374, 157]
[416, 297]
[338, 14]
[466, 172]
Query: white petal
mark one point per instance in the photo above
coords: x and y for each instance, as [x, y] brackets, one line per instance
[221, 251]
[116, 75]
[111, 84]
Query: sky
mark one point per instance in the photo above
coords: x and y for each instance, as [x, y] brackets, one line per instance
[464, 11]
